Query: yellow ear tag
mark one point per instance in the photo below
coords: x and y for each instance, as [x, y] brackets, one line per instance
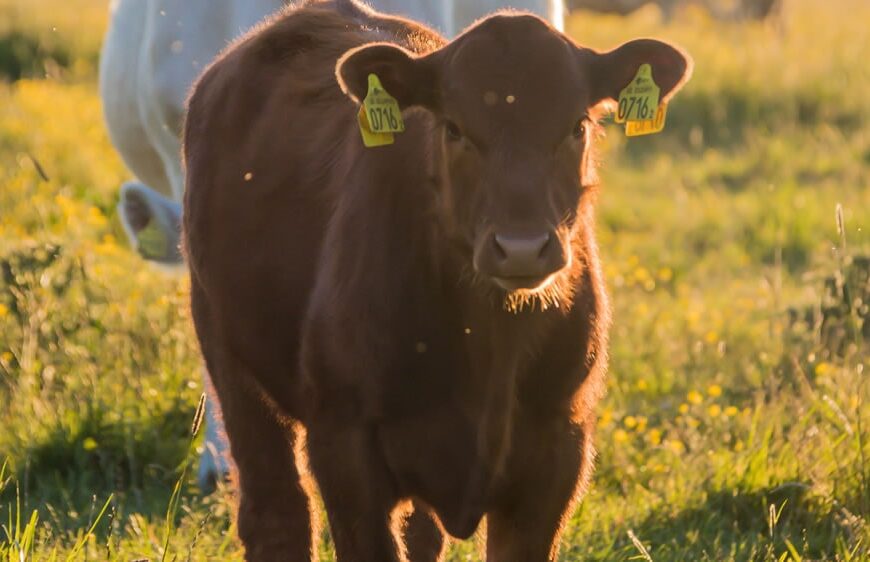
[379, 116]
[639, 106]
[369, 138]
[648, 126]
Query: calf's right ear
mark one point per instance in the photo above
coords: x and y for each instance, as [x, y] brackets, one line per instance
[612, 71]
[410, 79]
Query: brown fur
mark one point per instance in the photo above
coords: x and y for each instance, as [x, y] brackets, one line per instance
[357, 291]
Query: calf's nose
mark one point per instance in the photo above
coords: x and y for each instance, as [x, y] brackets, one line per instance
[522, 255]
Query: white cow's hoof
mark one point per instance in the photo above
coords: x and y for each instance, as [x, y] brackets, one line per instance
[214, 463]
[212, 469]
[152, 222]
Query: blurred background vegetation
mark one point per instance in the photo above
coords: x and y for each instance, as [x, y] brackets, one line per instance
[735, 426]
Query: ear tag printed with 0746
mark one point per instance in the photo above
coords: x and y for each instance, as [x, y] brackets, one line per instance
[639, 106]
[379, 115]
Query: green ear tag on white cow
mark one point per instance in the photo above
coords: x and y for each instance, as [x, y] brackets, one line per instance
[380, 115]
[639, 105]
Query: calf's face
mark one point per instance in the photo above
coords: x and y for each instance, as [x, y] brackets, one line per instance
[515, 102]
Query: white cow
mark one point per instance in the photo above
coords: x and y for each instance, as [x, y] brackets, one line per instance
[152, 53]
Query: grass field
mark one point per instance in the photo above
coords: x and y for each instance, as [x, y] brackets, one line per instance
[736, 421]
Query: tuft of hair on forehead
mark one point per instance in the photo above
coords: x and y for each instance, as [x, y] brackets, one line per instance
[510, 43]
[511, 18]
[507, 27]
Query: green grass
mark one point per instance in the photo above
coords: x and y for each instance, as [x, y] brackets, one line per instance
[735, 425]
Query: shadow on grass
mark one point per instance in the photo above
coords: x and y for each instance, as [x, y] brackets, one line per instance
[734, 524]
[72, 471]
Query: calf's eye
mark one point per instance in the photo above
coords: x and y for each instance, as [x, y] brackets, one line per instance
[579, 131]
[452, 131]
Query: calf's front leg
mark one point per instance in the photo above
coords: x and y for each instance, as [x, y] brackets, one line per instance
[547, 470]
[275, 514]
[356, 489]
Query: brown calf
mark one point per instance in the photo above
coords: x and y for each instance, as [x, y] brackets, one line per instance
[432, 312]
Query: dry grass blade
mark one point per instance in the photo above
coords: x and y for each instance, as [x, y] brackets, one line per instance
[644, 553]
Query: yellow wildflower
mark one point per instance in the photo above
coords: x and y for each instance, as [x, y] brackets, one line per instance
[666, 274]
[654, 436]
[675, 445]
[620, 436]
[642, 384]
[89, 444]
[693, 423]
[738, 446]
[67, 206]
[107, 248]
[641, 424]
[96, 217]
[714, 410]
[6, 356]
[714, 390]
[630, 422]
[3, 310]
[694, 397]
[711, 337]
[823, 368]
[731, 411]
[641, 275]
[684, 408]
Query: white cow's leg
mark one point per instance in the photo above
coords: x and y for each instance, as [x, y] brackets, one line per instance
[214, 463]
[150, 219]
[121, 92]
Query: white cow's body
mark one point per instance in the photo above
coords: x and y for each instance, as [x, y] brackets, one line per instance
[153, 52]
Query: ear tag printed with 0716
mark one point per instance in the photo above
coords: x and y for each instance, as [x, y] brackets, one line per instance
[639, 106]
[379, 115]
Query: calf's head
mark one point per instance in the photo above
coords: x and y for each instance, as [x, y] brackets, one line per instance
[515, 104]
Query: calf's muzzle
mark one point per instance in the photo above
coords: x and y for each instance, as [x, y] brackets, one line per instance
[520, 260]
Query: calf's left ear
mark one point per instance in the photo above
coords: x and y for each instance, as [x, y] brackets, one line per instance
[408, 78]
[610, 72]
